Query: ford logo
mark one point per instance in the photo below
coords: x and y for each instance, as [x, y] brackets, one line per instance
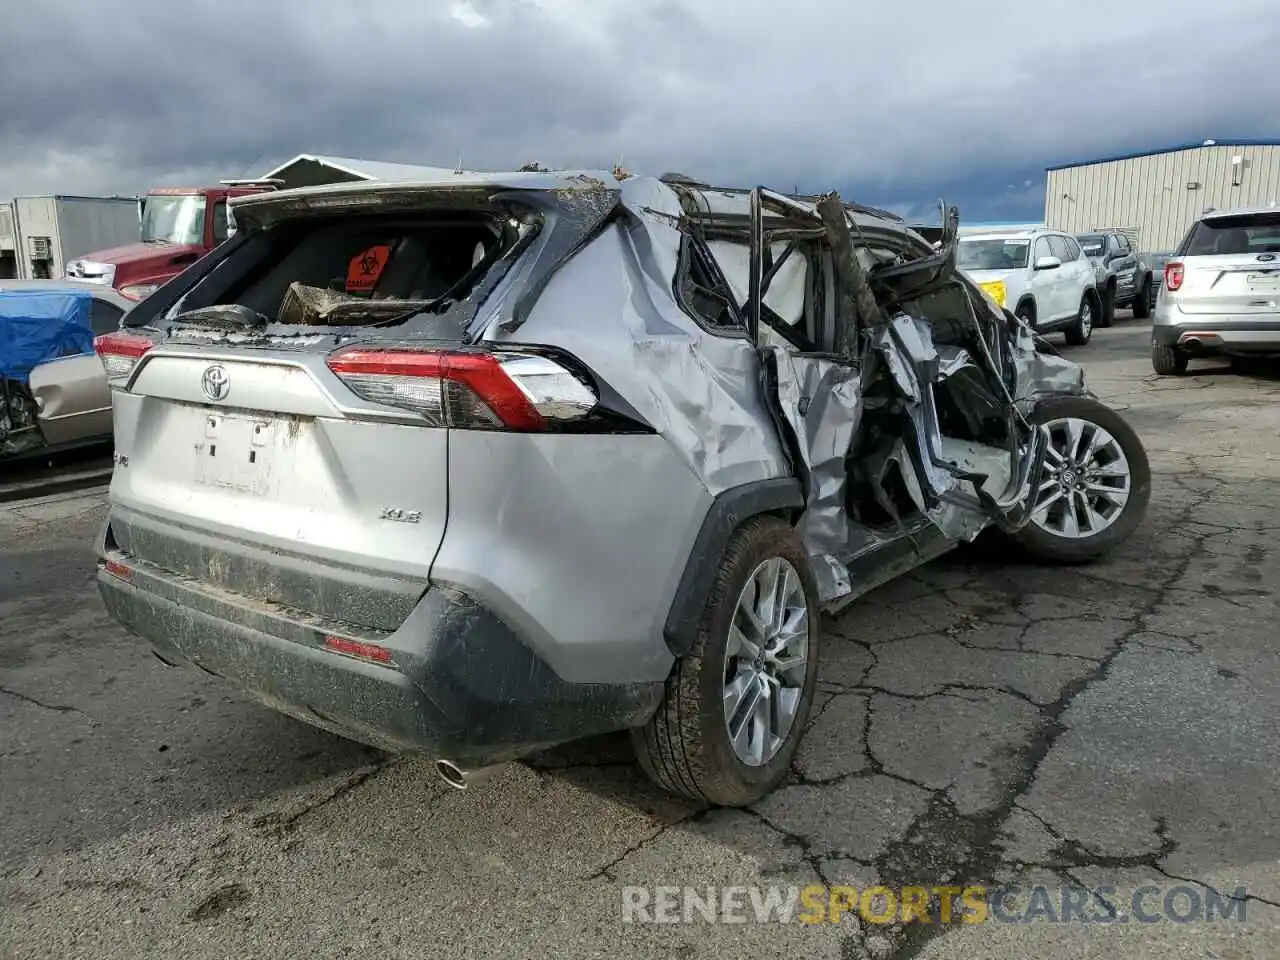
[215, 383]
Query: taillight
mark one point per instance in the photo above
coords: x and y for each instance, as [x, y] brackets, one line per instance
[117, 569]
[358, 649]
[1172, 276]
[478, 391]
[120, 353]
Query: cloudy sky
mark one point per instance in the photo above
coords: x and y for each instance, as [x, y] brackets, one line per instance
[892, 101]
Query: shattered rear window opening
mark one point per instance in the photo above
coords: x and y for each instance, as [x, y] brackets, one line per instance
[365, 270]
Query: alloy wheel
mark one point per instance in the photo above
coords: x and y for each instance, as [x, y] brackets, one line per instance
[766, 661]
[1084, 482]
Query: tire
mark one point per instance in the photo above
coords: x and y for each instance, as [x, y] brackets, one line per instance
[1081, 330]
[1107, 314]
[1167, 360]
[686, 747]
[1043, 537]
[1142, 301]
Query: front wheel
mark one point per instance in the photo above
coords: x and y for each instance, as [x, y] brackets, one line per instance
[1094, 484]
[1107, 313]
[736, 706]
[1081, 329]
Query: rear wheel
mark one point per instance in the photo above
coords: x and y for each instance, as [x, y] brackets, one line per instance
[1142, 301]
[736, 706]
[1167, 360]
[1081, 329]
[1094, 484]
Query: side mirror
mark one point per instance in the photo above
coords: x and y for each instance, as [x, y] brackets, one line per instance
[1048, 263]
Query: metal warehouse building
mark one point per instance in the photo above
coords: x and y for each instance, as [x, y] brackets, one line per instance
[1154, 196]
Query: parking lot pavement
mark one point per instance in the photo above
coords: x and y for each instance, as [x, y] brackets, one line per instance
[978, 722]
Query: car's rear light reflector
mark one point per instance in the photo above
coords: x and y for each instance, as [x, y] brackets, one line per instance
[509, 390]
[120, 353]
[358, 649]
[1173, 273]
[118, 570]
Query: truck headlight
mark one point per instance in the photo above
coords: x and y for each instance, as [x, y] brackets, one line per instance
[91, 272]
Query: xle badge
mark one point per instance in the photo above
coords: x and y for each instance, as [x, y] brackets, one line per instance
[400, 516]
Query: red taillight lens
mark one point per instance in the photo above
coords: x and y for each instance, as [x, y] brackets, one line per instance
[477, 391]
[1172, 276]
[120, 353]
[358, 649]
[117, 569]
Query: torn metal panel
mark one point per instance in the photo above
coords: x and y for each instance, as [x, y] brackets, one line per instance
[1042, 373]
[962, 492]
[700, 390]
[907, 347]
[951, 360]
[821, 400]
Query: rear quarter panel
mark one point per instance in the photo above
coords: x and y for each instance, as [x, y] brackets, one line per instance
[581, 541]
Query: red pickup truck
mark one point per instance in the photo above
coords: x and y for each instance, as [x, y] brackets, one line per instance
[179, 226]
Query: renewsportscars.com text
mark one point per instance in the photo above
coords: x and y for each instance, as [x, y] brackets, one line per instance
[942, 904]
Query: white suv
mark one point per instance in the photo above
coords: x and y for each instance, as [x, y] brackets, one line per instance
[1042, 276]
[1221, 292]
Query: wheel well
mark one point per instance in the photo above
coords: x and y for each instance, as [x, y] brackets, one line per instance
[1111, 283]
[1092, 295]
[783, 497]
[1029, 302]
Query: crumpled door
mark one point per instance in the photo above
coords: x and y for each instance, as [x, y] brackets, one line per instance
[820, 399]
[817, 401]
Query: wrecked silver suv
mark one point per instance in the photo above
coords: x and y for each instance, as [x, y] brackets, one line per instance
[479, 466]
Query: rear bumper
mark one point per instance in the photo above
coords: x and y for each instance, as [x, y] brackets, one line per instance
[460, 685]
[1219, 334]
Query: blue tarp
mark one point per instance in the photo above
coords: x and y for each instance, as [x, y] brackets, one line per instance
[41, 325]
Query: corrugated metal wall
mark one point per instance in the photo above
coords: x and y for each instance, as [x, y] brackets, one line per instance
[1150, 195]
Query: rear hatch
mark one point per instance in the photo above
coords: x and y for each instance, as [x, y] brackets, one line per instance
[282, 418]
[1229, 265]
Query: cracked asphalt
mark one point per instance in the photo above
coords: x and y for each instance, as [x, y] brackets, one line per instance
[981, 721]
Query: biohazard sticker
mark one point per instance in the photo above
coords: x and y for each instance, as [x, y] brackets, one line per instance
[365, 268]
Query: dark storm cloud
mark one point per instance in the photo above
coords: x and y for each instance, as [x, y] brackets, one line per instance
[894, 98]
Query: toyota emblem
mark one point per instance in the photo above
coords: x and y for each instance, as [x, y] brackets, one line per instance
[216, 383]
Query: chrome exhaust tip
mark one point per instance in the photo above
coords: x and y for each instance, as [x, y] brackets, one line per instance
[461, 778]
[1197, 343]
